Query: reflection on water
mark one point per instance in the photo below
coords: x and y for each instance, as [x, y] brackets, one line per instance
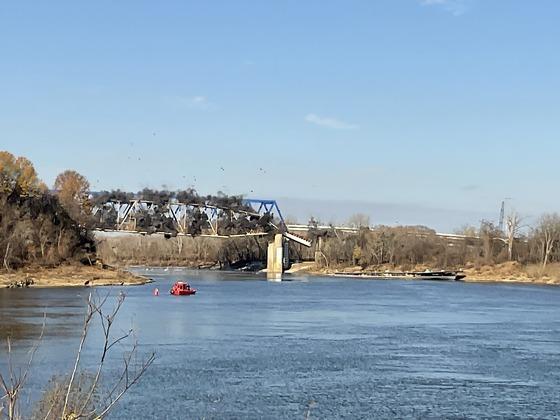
[246, 348]
[25, 310]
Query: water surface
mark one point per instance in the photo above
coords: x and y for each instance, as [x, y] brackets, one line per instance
[352, 348]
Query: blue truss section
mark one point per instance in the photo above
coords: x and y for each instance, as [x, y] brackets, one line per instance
[265, 206]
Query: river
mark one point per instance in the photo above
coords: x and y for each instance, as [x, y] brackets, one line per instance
[338, 348]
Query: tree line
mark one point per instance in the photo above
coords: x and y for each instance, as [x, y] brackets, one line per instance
[36, 226]
[408, 246]
[47, 227]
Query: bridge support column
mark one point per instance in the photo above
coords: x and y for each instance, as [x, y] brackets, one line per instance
[319, 260]
[274, 266]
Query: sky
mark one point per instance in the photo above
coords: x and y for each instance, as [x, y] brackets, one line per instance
[433, 106]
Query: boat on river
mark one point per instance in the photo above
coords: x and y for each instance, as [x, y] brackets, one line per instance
[418, 275]
[438, 275]
[181, 288]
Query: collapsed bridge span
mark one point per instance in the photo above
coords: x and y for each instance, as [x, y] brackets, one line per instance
[250, 217]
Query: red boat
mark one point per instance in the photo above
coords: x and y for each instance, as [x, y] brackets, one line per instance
[182, 289]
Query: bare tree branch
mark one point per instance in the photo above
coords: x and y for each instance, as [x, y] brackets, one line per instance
[87, 321]
[80, 392]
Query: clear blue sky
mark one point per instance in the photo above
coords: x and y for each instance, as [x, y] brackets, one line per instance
[452, 104]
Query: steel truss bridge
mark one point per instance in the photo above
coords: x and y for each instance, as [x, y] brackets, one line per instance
[255, 217]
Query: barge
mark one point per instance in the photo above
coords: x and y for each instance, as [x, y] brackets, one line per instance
[417, 275]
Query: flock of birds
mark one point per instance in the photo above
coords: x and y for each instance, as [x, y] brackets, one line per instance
[184, 177]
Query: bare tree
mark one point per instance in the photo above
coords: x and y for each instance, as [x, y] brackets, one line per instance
[513, 221]
[547, 233]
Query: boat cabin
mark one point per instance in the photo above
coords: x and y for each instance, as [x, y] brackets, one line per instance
[182, 288]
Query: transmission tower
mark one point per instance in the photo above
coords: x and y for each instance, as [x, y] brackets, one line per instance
[501, 224]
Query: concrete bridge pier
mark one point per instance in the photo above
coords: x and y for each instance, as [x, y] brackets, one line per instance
[276, 258]
[319, 256]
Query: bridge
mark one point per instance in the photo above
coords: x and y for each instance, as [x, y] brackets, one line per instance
[231, 218]
[249, 217]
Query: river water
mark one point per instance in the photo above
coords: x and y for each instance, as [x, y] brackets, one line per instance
[315, 346]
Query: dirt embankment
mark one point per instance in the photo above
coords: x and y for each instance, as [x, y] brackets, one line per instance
[70, 275]
[510, 272]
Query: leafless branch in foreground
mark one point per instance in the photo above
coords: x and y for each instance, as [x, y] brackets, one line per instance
[81, 405]
[79, 395]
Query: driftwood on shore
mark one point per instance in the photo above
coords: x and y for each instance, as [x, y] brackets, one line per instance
[27, 282]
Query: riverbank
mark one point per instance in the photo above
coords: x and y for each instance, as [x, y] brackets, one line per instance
[510, 272]
[81, 275]
[71, 275]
